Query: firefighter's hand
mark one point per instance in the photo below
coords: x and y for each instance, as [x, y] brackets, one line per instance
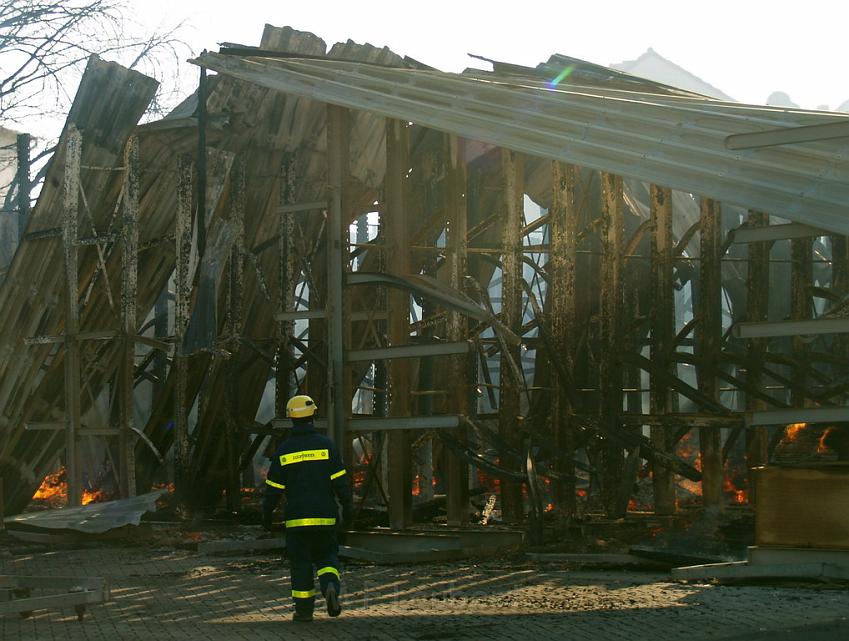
[266, 521]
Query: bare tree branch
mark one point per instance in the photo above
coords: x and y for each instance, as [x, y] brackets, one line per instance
[44, 46]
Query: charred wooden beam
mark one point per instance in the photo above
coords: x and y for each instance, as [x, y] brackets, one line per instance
[129, 303]
[611, 307]
[840, 286]
[23, 181]
[757, 308]
[339, 403]
[234, 330]
[709, 342]
[513, 179]
[662, 337]
[288, 277]
[801, 279]
[564, 220]
[456, 245]
[70, 233]
[395, 229]
[182, 299]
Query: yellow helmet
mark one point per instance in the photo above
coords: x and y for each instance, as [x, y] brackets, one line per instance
[300, 407]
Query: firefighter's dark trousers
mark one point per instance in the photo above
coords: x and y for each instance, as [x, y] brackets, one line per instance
[312, 550]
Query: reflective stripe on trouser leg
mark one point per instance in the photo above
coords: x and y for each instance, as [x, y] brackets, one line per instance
[326, 551]
[326, 576]
[301, 570]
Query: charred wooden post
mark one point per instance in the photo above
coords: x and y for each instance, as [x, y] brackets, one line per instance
[288, 277]
[456, 252]
[513, 185]
[339, 403]
[70, 240]
[840, 287]
[182, 299]
[801, 279]
[562, 286]
[129, 291]
[235, 323]
[757, 309]
[160, 358]
[23, 181]
[610, 371]
[202, 158]
[709, 342]
[662, 338]
[395, 227]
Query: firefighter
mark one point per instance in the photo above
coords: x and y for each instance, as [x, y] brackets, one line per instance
[308, 470]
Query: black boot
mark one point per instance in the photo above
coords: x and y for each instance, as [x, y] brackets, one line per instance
[302, 617]
[334, 609]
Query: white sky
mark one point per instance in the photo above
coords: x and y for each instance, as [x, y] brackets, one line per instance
[746, 48]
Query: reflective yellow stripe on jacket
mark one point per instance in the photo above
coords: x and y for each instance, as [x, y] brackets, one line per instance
[303, 594]
[308, 522]
[306, 455]
[279, 486]
[337, 474]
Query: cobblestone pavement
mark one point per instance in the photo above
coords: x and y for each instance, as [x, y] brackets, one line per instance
[160, 594]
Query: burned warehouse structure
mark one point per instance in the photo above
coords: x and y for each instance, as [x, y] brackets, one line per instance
[565, 288]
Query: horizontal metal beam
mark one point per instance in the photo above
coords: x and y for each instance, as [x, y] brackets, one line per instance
[775, 232]
[408, 351]
[403, 423]
[161, 344]
[380, 424]
[295, 208]
[788, 136]
[83, 431]
[797, 415]
[97, 240]
[693, 419]
[300, 314]
[104, 335]
[43, 427]
[767, 329]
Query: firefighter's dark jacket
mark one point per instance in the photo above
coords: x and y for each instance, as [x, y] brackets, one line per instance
[307, 468]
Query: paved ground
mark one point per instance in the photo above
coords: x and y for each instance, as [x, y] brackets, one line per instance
[168, 594]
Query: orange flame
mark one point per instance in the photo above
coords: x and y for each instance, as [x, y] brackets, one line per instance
[93, 496]
[822, 448]
[54, 487]
[792, 432]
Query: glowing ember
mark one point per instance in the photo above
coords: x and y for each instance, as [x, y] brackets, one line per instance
[549, 507]
[581, 493]
[741, 497]
[632, 505]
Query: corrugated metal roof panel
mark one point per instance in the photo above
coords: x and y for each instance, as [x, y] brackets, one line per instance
[677, 142]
